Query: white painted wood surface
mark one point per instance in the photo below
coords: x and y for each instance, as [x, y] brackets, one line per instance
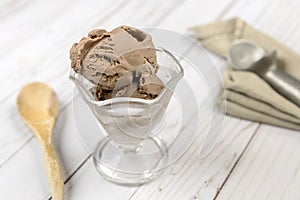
[251, 161]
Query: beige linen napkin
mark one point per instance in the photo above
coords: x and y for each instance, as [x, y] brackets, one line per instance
[248, 96]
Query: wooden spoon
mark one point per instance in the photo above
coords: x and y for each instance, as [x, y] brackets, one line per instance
[39, 107]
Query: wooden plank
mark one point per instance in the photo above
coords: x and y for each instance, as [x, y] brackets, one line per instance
[7, 7]
[193, 13]
[191, 183]
[25, 169]
[29, 70]
[86, 175]
[88, 184]
[54, 54]
[17, 149]
[191, 177]
[196, 150]
[269, 168]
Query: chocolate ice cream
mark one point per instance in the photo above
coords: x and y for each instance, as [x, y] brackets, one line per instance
[121, 63]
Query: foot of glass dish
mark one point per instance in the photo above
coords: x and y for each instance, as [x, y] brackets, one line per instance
[130, 168]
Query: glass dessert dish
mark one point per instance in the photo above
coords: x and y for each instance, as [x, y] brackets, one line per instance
[133, 140]
[132, 151]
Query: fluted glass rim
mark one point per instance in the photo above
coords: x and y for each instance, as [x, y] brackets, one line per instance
[73, 76]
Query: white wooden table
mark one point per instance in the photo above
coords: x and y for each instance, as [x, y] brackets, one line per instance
[251, 161]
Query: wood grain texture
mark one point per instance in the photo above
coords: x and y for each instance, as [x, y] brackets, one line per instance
[55, 63]
[37, 38]
[269, 168]
[192, 177]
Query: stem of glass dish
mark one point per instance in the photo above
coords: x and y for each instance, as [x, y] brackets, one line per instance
[131, 148]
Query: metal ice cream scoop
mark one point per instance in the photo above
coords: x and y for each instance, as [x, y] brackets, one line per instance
[245, 55]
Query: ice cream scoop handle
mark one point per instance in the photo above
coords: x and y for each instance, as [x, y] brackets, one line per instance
[284, 84]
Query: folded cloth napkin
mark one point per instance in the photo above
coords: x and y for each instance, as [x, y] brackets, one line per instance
[248, 96]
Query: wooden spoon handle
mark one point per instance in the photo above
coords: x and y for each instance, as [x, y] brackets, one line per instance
[53, 172]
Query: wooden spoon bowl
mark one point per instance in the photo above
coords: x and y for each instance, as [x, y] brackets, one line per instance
[38, 105]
